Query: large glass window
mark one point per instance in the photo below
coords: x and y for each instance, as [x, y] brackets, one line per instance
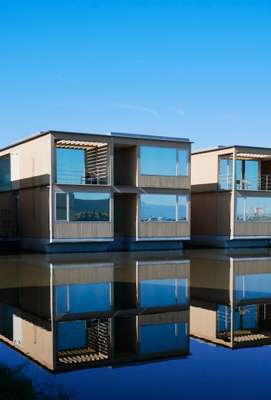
[5, 179]
[252, 286]
[163, 337]
[83, 298]
[253, 209]
[89, 206]
[164, 161]
[77, 206]
[163, 207]
[70, 166]
[79, 166]
[163, 292]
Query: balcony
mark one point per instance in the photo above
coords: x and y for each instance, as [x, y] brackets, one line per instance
[82, 163]
[260, 183]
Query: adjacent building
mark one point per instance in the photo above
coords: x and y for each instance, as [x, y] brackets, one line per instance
[63, 191]
[231, 201]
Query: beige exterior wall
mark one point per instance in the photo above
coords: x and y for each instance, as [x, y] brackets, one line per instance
[34, 213]
[205, 169]
[202, 322]
[252, 229]
[211, 213]
[155, 181]
[164, 229]
[34, 341]
[83, 230]
[166, 270]
[31, 162]
[8, 214]
[253, 266]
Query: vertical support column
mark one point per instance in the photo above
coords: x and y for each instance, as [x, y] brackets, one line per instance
[51, 186]
[233, 193]
[232, 288]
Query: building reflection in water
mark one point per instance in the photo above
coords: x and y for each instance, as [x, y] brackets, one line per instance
[231, 298]
[74, 311]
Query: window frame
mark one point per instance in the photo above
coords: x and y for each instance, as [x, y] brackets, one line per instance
[176, 208]
[68, 220]
[177, 161]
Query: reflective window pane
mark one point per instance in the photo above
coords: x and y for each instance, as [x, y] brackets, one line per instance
[253, 209]
[158, 207]
[61, 206]
[157, 161]
[5, 179]
[240, 209]
[70, 166]
[225, 173]
[158, 338]
[89, 206]
[182, 208]
[247, 174]
[251, 174]
[182, 162]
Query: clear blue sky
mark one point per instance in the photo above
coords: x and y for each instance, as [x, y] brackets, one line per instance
[197, 69]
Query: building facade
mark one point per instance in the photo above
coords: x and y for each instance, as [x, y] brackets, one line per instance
[64, 191]
[231, 201]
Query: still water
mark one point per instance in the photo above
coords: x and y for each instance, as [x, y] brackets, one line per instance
[140, 325]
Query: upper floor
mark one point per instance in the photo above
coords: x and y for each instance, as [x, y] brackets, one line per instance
[241, 168]
[91, 160]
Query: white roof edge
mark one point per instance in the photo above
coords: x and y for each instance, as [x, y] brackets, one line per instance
[213, 148]
[113, 134]
[150, 137]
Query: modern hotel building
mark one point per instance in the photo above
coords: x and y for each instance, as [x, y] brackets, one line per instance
[231, 196]
[63, 191]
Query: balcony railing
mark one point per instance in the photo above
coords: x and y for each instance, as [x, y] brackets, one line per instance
[75, 178]
[261, 183]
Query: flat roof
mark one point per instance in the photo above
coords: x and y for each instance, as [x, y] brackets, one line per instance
[218, 148]
[108, 134]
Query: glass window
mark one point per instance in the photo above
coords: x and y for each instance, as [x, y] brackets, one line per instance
[163, 207]
[247, 174]
[70, 166]
[61, 206]
[182, 208]
[158, 207]
[5, 179]
[225, 173]
[157, 161]
[253, 286]
[240, 209]
[89, 206]
[253, 209]
[83, 298]
[182, 162]
[71, 335]
[163, 292]
[163, 337]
